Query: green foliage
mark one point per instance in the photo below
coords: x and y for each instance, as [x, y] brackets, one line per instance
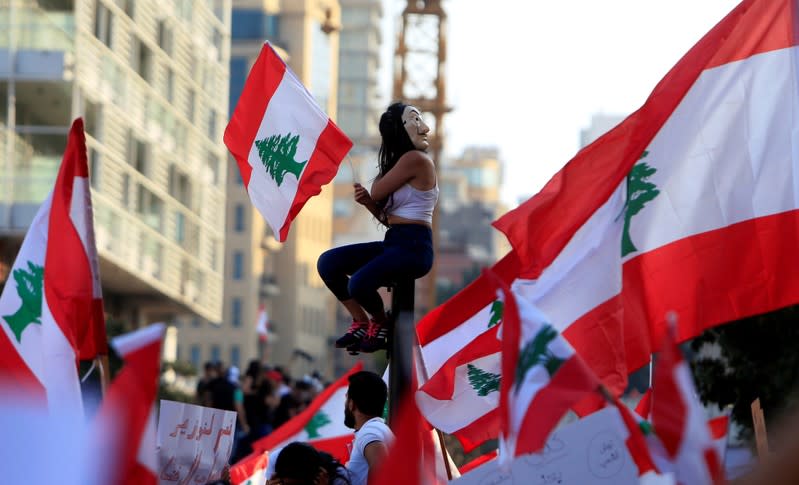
[483, 382]
[758, 360]
[181, 368]
[277, 154]
[639, 192]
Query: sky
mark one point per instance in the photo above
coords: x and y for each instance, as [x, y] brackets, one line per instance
[527, 75]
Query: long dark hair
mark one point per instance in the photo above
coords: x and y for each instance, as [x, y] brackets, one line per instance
[395, 143]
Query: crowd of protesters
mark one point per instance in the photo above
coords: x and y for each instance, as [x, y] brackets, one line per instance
[264, 398]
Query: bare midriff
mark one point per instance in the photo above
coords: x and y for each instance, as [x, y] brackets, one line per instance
[395, 220]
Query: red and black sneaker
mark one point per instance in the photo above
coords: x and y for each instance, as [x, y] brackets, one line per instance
[376, 338]
[354, 335]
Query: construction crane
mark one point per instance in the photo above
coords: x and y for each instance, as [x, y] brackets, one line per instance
[420, 80]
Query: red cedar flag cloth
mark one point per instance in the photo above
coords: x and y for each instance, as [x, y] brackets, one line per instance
[250, 470]
[323, 418]
[285, 145]
[126, 417]
[543, 377]
[679, 420]
[51, 309]
[711, 216]
[72, 276]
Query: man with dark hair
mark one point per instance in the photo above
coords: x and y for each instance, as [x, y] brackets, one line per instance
[363, 411]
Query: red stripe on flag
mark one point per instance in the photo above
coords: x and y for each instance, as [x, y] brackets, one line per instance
[669, 407]
[331, 148]
[540, 228]
[598, 336]
[718, 427]
[477, 462]
[261, 84]
[569, 385]
[138, 474]
[709, 279]
[16, 374]
[67, 273]
[336, 446]
[247, 466]
[467, 302]
[297, 423]
[479, 431]
[441, 384]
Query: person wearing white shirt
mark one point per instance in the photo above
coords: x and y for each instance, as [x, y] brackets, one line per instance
[363, 408]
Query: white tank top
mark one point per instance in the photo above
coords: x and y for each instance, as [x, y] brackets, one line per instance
[414, 204]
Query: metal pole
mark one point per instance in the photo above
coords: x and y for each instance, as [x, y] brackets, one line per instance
[11, 112]
[401, 346]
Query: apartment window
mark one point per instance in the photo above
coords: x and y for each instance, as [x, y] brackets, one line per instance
[238, 219]
[94, 168]
[235, 355]
[138, 154]
[195, 355]
[196, 322]
[165, 37]
[212, 165]
[103, 23]
[142, 59]
[235, 317]
[190, 105]
[127, 6]
[179, 186]
[216, 354]
[170, 85]
[180, 227]
[238, 265]
[150, 208]
[126, 190]
[217, 40]
[211, 124]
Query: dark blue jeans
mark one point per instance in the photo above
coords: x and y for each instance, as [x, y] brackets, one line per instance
[358, 270]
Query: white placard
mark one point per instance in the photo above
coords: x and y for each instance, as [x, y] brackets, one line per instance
[194, 443]
[588, 451]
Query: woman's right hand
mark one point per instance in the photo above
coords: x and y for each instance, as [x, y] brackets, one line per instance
[362, 195]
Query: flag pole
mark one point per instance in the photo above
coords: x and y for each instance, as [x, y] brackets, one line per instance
[426, 377]
[105, 372]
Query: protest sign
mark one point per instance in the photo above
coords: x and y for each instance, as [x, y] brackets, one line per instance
[194, 443]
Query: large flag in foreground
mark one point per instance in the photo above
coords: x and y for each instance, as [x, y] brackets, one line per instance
[251, 470]
[285, 145]
[707, 166]
[322, 420]
[51, 307]
[126, 419]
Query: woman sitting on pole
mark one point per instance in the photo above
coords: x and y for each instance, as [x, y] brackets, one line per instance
[402, 198]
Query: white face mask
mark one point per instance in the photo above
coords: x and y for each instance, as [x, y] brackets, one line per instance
[416, 128]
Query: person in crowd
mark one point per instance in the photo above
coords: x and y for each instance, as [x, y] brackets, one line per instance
[363, 410]
[299, 463]
[402, 198]
[209, 374]
[226, 394]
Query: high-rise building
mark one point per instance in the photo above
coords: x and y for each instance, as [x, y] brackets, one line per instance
[468, 203]
[146, 75]
[259, 270]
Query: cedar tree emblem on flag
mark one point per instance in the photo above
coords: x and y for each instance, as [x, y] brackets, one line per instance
[29, 289]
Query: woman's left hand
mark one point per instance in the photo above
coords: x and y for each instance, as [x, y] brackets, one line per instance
[362, 195]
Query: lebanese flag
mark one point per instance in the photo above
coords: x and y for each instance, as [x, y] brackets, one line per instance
[322, 419]
[262, 324]
[705, 167]
[679, 420]
[460, 353]
[251, 470]
[51, 307]
[285, 145]
[719, 430]
[464, 329]
[543, 378]
[480, 460]
[126, 419]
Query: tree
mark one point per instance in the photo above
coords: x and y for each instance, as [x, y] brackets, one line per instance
[754, 358]
[277, 154]
[639, 191]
